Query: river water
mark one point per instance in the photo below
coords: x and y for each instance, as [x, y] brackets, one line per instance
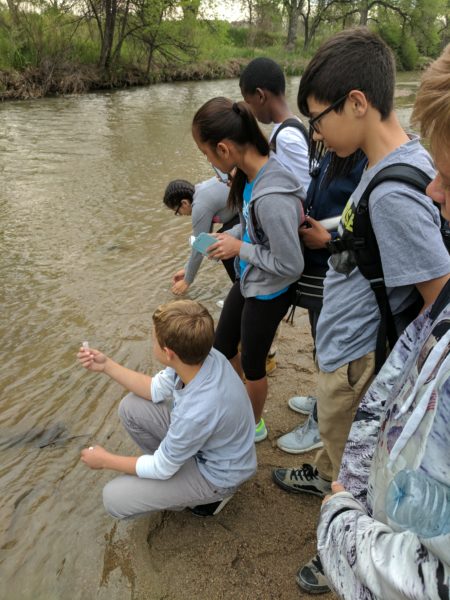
[87, 253]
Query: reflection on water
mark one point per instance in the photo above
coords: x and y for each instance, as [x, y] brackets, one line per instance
[87, 253]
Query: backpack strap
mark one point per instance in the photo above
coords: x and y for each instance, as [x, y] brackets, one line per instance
[290, 122]
[441, 302]
[367, 252]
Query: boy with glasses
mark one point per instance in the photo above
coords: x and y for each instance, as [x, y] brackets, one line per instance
[347, 91]
[371, 547]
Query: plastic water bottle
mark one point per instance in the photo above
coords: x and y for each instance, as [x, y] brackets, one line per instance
[418, 503]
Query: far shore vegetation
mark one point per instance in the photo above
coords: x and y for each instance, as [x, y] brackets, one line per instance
[50, 47]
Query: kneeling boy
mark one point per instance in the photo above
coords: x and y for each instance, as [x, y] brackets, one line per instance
[193, 421]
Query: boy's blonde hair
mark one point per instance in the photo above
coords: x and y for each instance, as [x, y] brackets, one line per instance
[186, 328]
[432, 106]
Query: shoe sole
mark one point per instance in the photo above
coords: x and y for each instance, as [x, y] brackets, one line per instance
[293, 451]
[261, 439]
[297, 410]
[289, 488]
[312, 589]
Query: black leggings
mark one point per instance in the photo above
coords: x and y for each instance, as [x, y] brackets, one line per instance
[228, 263]
[253, 323]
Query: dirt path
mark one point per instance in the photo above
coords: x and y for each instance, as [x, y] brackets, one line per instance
[251, 550]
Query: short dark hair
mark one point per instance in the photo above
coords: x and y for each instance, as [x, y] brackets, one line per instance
[354, 59]
[262, 73]
[186, 328]
[176, 191]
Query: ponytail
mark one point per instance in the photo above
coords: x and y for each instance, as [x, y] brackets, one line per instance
[220, 118]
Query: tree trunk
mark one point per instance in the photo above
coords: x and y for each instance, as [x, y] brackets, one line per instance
[293, 16]
[14, 12]
[149, 60]
[307, 41]
[122, 33]
[108, 34]
[364, 13]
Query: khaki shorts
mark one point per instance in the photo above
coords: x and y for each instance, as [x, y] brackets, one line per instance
[338, 396]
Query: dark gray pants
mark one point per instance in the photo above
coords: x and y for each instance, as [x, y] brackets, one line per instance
[130, 496]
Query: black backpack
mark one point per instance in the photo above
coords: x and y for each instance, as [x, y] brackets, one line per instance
[365, 247]
[291, 122]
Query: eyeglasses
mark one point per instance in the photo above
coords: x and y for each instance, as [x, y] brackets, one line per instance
[177, 210]
[314, 123]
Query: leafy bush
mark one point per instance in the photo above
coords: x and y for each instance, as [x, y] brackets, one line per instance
[239, 36]
[264, 39]
[408, 54]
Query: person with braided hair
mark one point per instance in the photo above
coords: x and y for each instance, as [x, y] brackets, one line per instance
[206, 203]
[265, 243]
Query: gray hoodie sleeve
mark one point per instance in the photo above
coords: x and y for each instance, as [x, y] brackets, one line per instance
[235, 231]
[202, 219]
[279, 217]
[210, 199]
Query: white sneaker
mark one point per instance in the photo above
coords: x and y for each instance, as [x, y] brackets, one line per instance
[219, 303]
[302, 404]
[301, 439]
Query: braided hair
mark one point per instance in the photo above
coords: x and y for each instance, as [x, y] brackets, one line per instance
[176, 191]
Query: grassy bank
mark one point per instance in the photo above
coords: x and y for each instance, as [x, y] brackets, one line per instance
[50, 79]
[42, 54]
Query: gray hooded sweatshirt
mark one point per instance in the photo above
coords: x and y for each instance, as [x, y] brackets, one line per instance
[274, 257]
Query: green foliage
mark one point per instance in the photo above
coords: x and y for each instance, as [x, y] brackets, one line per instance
[239, 36]
[408, 53]
[168, 39]
[265, 39]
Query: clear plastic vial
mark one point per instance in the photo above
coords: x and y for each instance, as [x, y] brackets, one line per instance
[418, 503]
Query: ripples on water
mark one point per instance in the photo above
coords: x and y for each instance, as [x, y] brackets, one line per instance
[87, 252]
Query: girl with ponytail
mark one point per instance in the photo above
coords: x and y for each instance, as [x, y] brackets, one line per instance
[265, 244]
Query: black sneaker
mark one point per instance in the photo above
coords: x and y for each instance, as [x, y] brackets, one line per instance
[311, 577]
[306, 479]
[210, 510]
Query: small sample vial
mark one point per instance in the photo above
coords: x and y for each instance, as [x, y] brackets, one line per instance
[85, 345]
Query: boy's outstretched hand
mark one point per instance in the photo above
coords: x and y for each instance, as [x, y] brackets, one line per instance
[92, 359]
[94, 457]
[97, 457]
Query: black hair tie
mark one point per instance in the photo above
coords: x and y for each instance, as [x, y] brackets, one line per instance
[236, 108]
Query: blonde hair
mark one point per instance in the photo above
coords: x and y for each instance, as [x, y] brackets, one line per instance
[186, 328]
[432, 106]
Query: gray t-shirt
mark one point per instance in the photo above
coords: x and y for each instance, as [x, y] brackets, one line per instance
[212, 419]
[209, 206]
[407, 228]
